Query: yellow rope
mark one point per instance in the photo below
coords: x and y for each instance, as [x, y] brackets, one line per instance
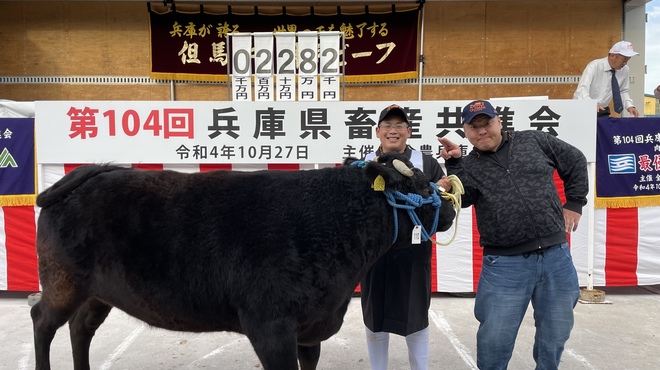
[455, 197]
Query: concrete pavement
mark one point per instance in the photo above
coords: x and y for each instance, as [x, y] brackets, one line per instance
[623, 333]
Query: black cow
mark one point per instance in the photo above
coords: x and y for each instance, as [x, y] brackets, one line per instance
[273, 255]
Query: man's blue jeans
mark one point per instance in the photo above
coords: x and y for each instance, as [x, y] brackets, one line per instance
[506, 286]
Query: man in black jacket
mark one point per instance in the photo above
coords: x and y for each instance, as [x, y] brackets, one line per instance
[508, 178]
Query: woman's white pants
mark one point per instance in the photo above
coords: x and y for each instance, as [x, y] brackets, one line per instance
[418, 349]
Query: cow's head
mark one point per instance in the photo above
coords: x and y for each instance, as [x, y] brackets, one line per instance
[396, 174]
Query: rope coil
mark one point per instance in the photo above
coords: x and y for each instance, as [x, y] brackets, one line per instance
[454, 196]
[413, 201]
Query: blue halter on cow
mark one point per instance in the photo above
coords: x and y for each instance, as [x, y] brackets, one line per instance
[275, 255]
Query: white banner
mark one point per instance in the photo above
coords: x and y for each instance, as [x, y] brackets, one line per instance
[263, 54]
[241, 55]
[308, 66]
[286, 66]
[264, 132]
[263, 66]
[329, 53]
[241, 67]
[329, 56]
[308, 53]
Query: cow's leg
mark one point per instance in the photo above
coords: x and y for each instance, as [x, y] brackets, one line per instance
[61, 295]
[82, 327]
[46, 319]
[309, 356]
[274, 343]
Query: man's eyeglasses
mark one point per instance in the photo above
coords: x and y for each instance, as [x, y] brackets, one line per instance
[396, 126]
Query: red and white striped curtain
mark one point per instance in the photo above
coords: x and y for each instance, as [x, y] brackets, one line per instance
[626, 249]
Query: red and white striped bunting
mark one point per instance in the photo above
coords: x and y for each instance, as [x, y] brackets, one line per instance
[625, 244]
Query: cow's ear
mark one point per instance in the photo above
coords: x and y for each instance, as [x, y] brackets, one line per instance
[349, 160]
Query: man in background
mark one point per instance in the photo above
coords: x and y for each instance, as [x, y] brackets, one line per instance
[606, 80]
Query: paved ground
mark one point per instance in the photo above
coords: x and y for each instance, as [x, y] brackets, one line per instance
[623, 333]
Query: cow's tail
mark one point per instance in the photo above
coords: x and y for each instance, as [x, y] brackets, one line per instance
[71, 181]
